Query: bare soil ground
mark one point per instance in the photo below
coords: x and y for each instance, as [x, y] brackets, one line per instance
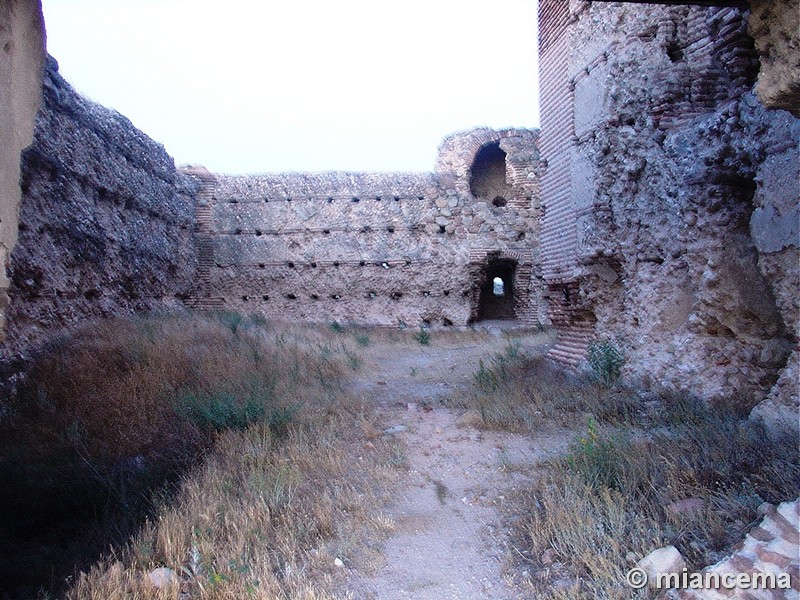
[448, 540]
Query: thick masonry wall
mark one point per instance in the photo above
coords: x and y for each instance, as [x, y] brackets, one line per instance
[379, 249]
[105, 223]
[682, 189]
[21, 65]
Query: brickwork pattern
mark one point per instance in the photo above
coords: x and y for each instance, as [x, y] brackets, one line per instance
[772, 547]
[656, 151]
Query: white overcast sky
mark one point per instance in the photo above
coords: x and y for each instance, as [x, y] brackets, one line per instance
[302, 85]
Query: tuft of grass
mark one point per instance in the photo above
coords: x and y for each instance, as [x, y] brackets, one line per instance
[595, 458]
[519, 393]
[231, 320]
[423, 337]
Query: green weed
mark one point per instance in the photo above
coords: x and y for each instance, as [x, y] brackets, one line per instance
[596, 458]
[606, 361]
[423, 337]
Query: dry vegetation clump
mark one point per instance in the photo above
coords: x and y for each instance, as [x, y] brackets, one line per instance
[618, 496]
[687, 474]
[119, 408]
[517, 392]
[262, 518]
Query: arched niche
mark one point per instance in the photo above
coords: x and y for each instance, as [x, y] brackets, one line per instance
[488, 179]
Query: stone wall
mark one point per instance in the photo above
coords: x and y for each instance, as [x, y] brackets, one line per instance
[21, 63]
[673, 221]
[381, 249]
[775, 27]
[105, 223]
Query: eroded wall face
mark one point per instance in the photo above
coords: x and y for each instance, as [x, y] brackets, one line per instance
[22, 55]
[683, 191]
[105, 222]
[775, 27]
[377, 249]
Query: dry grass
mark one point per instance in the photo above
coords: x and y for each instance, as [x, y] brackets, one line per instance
[611, 499]
[573, 539]
[262, 519]
[516, 392]
[282, 464]
[116, 389]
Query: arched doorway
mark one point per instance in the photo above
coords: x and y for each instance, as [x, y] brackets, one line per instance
[496, 299]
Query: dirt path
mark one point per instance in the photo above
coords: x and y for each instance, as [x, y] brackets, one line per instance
[448, 541]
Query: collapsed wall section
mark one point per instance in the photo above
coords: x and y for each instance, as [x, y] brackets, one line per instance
[376, 248]
[105, 222]
[683, 193]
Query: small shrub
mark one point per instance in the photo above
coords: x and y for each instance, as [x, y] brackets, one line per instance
[336, 327]
[596, 458]
[423, 337]
[606, 361]
[485, 377]
[362, 340]
[512, 349]
[222, 410]
[231, 320]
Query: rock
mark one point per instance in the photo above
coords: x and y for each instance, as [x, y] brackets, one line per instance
[162, 578]
[664, 560]
[395, 429]
[548, 556]
[773, 27]
[774, 353]
[339, 562]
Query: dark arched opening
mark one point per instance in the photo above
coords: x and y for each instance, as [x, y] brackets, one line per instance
[496, 299]
[488, 175]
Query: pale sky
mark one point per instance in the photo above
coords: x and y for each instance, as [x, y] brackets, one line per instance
[306, 85]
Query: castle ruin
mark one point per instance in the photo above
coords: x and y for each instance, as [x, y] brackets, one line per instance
[658, 207]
